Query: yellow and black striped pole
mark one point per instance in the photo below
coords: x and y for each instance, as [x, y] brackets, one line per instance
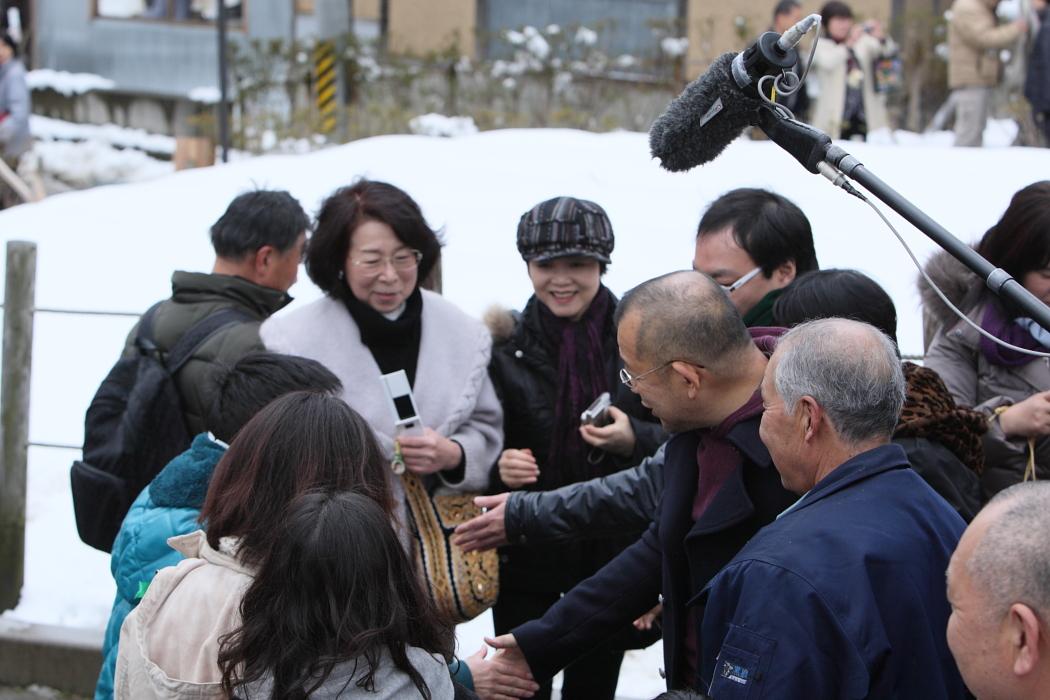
[325, 85]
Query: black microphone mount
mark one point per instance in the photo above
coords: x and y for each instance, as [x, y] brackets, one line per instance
[765, 57]
[773, 54]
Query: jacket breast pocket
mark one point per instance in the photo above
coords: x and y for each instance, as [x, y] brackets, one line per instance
[741, 665]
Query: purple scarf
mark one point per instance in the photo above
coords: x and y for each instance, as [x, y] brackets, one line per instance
[581, 378]
[1006, 329]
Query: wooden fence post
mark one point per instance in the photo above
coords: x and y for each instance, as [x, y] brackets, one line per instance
[19, 294]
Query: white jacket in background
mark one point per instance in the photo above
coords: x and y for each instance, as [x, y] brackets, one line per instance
[829, 68]
[169, 644]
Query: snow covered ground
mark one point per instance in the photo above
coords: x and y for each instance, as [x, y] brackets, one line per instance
[113, 248]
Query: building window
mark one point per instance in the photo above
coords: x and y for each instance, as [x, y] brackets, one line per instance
[169, 10]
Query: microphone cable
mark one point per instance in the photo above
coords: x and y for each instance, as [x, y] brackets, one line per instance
[844, 183]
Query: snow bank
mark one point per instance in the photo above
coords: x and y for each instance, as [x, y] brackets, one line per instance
[114, 248]
[91, 163]
[121, 137]
[998, 133]
[440, 125]
[85, 155]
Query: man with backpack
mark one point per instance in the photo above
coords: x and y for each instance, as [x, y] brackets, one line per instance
[159, 394]
[258, 244]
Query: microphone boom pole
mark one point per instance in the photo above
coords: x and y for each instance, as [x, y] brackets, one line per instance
[815, 151]
[729, 96]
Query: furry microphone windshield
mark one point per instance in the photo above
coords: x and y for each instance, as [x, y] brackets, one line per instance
[698, 124]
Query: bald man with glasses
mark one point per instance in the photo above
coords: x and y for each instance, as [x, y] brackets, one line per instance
[720, 485]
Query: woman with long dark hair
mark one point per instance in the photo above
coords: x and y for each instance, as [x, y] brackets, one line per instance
[169, 644]
[549, 363]
[345, 603]
[1011, 388]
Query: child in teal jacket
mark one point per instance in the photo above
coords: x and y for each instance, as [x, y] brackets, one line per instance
[170, 504]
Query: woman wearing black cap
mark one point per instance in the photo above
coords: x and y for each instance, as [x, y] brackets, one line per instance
[549, 364]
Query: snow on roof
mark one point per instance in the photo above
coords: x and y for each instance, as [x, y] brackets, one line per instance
[67, 83]
[207, 94]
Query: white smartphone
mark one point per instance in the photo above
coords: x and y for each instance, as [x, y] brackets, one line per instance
[402, 404]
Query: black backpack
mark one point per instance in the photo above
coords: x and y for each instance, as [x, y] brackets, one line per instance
[134, 426]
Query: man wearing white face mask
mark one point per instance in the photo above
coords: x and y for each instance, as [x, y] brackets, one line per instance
[975, 39]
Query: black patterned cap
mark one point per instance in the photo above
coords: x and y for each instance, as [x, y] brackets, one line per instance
[565, 226]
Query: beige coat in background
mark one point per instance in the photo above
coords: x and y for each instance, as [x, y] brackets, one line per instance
[829, 69]
[974, 41]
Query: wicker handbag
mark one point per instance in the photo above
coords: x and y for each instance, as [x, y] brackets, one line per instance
[462, 584]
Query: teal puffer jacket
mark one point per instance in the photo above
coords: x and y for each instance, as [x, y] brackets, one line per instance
[169, 506]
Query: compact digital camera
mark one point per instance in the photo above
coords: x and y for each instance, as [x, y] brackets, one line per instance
[597, 414]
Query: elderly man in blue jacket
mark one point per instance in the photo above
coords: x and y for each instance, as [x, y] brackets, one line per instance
[843, 595]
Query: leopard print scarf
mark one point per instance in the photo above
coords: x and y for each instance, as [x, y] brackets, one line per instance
[930, 412]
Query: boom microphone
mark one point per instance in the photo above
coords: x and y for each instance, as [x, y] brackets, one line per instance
[698, 124]
[715, 108]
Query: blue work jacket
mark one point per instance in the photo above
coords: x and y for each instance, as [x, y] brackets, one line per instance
[674, 559]
[843, 596]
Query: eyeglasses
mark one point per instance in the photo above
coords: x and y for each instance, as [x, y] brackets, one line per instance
[402, 261]
[740, 282]
[630, 380]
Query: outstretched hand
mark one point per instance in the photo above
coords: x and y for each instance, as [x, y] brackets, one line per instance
[496, 679]
[485, 531]
[645, 622]
[510, 654]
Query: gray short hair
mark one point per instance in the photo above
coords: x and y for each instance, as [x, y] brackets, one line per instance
[1012, 561]
[857, 380]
